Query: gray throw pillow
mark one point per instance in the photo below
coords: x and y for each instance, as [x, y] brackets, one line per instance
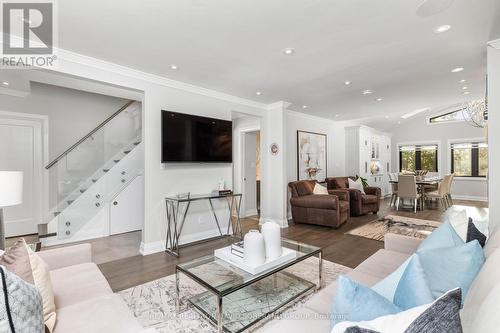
[443, 316]
[21, 309]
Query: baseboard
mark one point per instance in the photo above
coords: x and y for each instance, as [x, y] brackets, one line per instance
[282, 223]
[469, 197]
[251, 212]
[152, 247]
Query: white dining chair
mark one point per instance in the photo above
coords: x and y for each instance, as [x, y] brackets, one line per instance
[442, 193]
[407, 189]
[393, 177]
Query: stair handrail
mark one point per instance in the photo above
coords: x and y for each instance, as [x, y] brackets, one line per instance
[107, 120]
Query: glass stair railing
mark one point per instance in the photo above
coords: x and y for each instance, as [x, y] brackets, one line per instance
[90, 172]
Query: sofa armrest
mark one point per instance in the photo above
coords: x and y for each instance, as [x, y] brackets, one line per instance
[317, 201]
[401, 243]
[373, 191]
[342, 194]
[67, 256]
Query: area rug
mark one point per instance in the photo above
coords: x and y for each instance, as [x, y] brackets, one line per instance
[153, 303]
[401, 225]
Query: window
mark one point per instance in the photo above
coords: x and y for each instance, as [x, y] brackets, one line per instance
[418, 157]
[457, 115]
[469, 159]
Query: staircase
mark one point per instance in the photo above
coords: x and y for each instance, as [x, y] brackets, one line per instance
[88, 175]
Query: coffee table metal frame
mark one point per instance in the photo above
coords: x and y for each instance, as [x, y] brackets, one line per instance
[218, 322]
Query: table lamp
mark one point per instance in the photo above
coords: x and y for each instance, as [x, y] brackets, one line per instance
[11, 194]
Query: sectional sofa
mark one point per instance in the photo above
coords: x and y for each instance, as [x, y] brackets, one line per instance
[480, 313]
[84, 300]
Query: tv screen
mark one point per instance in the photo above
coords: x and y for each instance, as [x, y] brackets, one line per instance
[188, 138]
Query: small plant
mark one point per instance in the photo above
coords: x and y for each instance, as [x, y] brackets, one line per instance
[364, 181]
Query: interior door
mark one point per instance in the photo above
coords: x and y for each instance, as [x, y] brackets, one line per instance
[127, 209]
[250, 174]
[21, 150]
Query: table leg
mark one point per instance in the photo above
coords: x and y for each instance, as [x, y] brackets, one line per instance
[320, 269]
[220, 325]
[177, 292]
[238, 207]
[215, 216]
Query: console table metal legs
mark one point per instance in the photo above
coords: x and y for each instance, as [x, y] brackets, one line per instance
[176, 218]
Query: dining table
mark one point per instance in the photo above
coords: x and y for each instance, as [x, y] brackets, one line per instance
[421, 183]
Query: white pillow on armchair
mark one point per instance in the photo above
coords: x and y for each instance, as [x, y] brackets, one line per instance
[320, 189]
[358, 185]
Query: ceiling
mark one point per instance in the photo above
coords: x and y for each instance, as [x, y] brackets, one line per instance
[236, 47]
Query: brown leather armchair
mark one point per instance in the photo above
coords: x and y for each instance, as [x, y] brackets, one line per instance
[360, 204]
[327, 210]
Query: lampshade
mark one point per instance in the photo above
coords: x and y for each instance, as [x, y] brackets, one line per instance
[11, 188]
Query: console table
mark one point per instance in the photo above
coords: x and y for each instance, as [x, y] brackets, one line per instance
[177, 208]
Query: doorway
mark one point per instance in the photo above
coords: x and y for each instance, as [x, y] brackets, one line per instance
[251, 173]
[22, 149]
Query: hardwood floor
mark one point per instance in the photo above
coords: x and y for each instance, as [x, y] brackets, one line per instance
[337, 247]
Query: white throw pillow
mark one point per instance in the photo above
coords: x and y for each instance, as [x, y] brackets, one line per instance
[460, 222]
[358, 185]
[319, 189]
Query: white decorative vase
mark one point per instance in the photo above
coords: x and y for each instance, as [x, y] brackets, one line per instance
[272, 239]
[254, 252]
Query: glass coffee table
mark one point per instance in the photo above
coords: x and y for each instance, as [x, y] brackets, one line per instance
[236, 300]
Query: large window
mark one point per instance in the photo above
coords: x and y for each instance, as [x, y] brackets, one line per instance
[469, 159]
[452, 116]
[418, 157]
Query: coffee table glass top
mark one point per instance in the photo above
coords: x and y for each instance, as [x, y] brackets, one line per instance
[223, 278]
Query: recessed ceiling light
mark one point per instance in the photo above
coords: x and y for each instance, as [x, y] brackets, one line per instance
[5, 83]
[336, 116]
[413, 113]
[304, 106]
[457, 69]
[258, 93]
[442, 28]
[463, 80]
[386, 117]
[465, 88]
[367, 92]
[289, 51]
[347, 83]
[174, 67]
[399, 122]
[466, 92]
[380, 99]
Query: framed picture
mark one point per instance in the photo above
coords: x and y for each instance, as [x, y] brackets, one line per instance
[311, 156]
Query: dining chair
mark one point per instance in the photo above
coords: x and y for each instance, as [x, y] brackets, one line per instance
[448, 195]
[393, 177]
[442, 192]
[407, 189]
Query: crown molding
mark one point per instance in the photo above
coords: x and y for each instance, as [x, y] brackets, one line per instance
[278, 105]
[309, 116]
[495, 44]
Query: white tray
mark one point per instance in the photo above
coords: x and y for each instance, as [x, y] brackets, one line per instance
[226, 255]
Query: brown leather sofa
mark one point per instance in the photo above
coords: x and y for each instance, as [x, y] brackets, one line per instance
[328, 210]
[360, 204]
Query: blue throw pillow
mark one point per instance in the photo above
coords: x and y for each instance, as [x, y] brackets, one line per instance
[453, 267]
[387, 286]
[354, 302]
[413, 288]
[444, 236]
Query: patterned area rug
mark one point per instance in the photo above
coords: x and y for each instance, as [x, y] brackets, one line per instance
[397, 225]
[153, 303]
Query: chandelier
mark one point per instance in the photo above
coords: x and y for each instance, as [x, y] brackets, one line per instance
[476, 113]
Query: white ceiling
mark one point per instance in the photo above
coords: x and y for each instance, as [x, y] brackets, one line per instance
[236, 47]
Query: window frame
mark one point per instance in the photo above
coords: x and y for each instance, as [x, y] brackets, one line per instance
[418, 159]
[457, 108]
[474, 157]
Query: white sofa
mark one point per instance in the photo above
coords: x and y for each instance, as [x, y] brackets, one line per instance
[84, 300]
[481, 309]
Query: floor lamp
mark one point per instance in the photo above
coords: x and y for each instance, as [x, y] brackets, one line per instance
[11, 194]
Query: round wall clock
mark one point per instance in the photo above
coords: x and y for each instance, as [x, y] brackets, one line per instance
[274, 149]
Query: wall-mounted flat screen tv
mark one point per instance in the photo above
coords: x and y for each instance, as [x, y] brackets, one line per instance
[188, 138]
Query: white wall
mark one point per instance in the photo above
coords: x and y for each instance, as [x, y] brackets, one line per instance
[416, 130]
[72, 113]
[494, 132]
[335, 142]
